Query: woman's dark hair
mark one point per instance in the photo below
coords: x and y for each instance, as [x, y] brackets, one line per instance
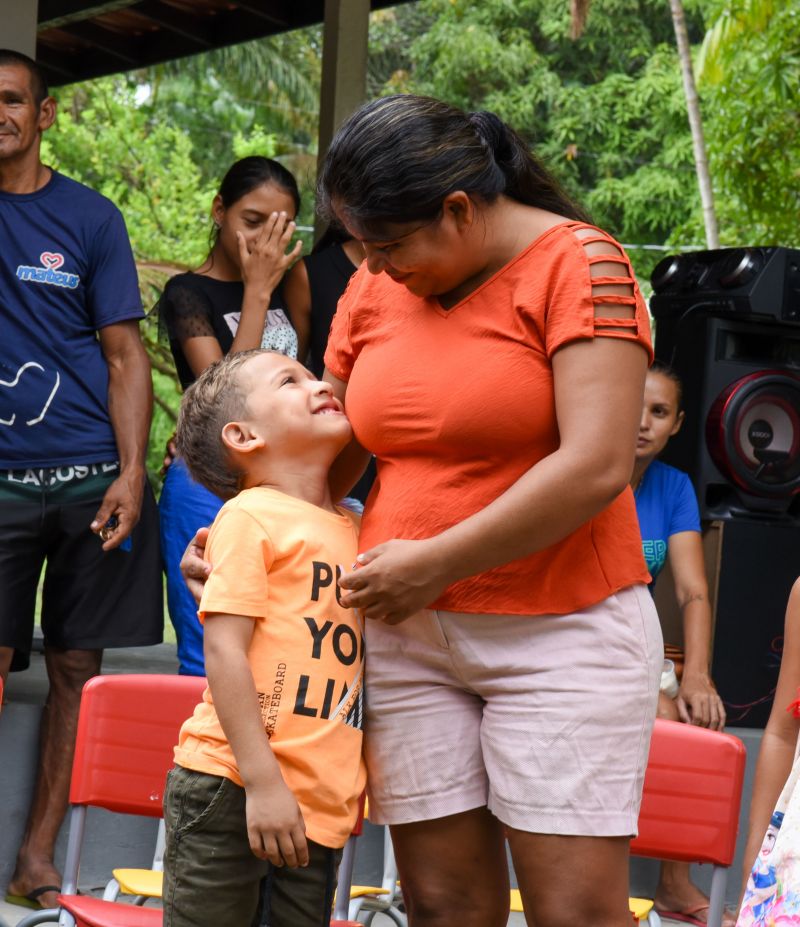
[246, 175]
[671, 374]
[397, 158]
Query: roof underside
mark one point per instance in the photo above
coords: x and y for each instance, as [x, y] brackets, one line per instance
[78, 40]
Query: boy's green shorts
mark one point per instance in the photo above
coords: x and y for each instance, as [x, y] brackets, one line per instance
[212, 878]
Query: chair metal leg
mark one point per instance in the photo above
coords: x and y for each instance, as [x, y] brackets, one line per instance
[111, 890]
[397, 916]
[45, 916]
[340, 908]
[716, 897]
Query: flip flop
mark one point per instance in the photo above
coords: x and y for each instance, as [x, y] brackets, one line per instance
[31, 900]
[687, 916]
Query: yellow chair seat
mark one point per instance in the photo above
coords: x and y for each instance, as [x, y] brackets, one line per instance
[147, 882]
[358, 891]
[640, 907]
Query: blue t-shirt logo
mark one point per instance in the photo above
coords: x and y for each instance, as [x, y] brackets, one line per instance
[49, 271]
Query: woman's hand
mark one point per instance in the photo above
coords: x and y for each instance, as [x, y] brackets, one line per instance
[194, 569]
[267, 262]
[698, 702]
[394, 580]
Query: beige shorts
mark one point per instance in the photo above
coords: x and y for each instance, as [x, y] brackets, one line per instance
[544, 719]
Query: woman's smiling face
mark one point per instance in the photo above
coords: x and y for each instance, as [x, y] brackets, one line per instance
[429, 257]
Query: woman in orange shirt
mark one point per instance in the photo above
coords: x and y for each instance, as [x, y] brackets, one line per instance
[491, 352]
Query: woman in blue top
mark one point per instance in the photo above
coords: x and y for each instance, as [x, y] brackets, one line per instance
[669, 520]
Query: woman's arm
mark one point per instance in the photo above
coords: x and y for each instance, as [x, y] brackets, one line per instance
[349, 466]
[780, 737]
[698, 701]
[598, 387]
[297, 293]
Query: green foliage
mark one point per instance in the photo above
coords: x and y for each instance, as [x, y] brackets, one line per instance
[257, 142]
[154, 179]
[754, 98]
[606, 112]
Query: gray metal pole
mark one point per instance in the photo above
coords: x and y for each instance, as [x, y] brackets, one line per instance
[344, 65]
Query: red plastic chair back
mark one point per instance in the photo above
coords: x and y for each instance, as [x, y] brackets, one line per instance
[692, 793]
[127, 728]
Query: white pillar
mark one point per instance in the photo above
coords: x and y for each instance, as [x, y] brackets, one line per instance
[19, 19]
[344, 65]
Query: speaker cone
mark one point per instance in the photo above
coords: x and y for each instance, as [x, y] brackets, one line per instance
[753, 433]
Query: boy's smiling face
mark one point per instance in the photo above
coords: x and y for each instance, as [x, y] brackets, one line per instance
[289, 408]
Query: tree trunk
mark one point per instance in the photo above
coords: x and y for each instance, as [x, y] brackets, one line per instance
[696, 125]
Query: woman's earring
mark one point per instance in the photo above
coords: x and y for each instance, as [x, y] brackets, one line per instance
[217, 226]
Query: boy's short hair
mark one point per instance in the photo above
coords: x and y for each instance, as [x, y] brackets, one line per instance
[214, 399]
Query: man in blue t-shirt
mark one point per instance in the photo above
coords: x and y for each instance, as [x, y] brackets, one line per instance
[75, 407]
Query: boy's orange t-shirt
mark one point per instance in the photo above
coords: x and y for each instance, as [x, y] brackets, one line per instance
[276, 558]
[458, 403]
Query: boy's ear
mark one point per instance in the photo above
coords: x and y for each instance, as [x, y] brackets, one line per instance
[239, 437]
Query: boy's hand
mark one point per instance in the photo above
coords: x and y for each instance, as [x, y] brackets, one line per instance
[275, 826]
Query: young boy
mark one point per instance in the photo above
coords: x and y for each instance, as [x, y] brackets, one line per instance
[268, 769]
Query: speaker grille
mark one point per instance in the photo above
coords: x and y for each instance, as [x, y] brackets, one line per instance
[753, 433]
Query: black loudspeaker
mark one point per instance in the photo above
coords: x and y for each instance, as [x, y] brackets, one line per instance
[728, 321]
[758, 563]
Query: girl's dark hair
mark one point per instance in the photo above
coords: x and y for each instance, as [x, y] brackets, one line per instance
[246, 175]
[671, 374]
[397, 158]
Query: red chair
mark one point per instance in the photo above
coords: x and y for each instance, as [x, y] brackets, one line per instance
[127, 728]
[690, 804]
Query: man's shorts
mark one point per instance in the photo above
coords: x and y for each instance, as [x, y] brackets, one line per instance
[91, 599]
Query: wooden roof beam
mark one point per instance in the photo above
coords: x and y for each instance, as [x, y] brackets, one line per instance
[124, 51]
[258, 10]
[56, 13]
[177, 23]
